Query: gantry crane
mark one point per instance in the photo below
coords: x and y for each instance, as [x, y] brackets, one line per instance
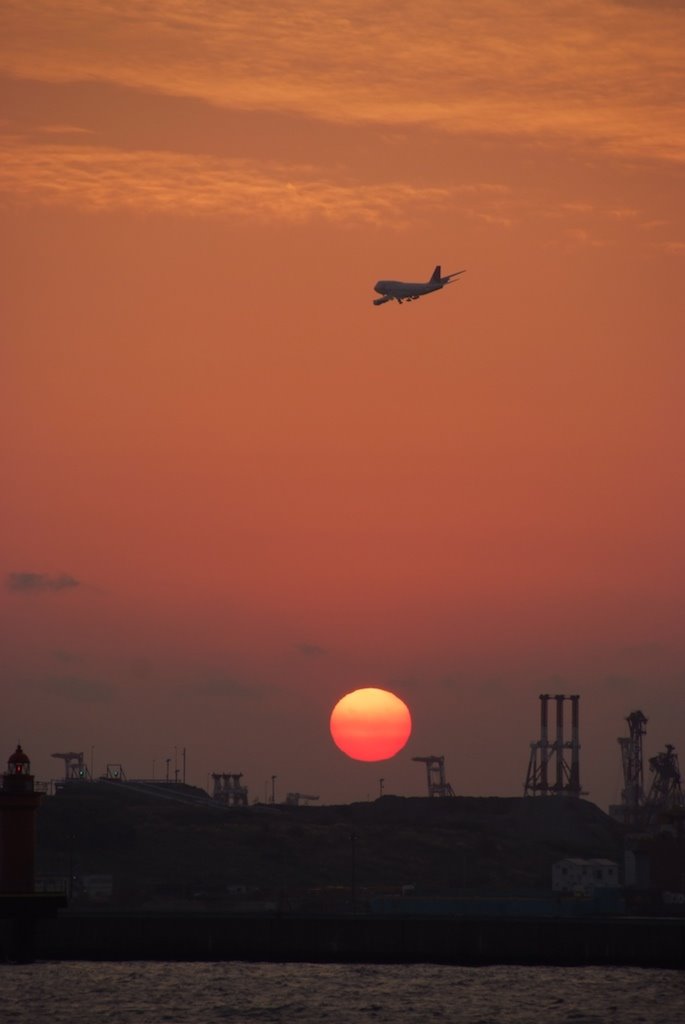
[293, 799]
[435, 773]
[632, 794]
[74, 767]
[665, 797]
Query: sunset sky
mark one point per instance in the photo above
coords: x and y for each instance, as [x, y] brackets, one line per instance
[233, 489]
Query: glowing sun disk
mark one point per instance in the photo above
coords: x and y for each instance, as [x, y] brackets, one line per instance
[370, 724]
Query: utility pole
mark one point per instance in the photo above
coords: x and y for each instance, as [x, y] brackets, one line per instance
[353, 842]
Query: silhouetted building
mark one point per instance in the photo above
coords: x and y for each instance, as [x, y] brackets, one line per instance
[18, 805]
[655, 862]
[580, 874]
[229, 790]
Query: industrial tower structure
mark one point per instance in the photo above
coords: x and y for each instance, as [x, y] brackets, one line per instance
[20, 905]
[293, 799]
[19, 802]
[75, 768]
[545, 755]
[228, 789]
[632, 794]
[435, 772]
[664, 803]
[665, 797]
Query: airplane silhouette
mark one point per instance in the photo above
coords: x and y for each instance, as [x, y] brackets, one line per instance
[409, 291]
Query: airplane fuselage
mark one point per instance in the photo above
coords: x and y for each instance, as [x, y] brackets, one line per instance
[407, 291]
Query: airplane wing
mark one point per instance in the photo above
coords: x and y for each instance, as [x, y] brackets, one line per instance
[384, 298]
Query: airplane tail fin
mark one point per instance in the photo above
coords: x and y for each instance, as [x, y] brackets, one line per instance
[437, 273]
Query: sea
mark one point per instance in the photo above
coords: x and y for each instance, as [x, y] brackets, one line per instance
[236, 992]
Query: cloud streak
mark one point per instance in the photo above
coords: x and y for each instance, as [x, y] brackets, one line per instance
[157, 181]
[151, 181]
[308, 650]
[595, 72]
[76, 689]
[222, 687]
[39, 583]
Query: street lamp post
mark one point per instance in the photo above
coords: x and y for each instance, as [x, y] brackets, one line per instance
[353, 843]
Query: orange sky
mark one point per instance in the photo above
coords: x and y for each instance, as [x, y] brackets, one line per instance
[244, 490]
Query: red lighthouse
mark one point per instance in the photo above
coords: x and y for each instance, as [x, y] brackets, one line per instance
[18, 805]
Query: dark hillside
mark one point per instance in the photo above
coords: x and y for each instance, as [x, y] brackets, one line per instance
[158, 849]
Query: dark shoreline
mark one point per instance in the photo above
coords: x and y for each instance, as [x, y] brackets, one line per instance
[116, 936]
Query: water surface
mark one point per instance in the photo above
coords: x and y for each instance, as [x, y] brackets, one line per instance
[209, 993]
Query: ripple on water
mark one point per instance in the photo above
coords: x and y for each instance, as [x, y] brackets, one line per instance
[232, 993]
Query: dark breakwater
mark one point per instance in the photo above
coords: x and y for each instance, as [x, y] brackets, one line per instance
[620, 941]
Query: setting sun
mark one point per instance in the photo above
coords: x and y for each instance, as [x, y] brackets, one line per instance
[370, 724]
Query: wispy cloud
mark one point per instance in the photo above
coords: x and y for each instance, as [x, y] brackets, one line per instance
[597, 71]
[75, 688]
[158, 181]
[62, 129]
[310, 650]
[224, 686]
[584, 237]
[647, 651]
[39, 582]
[673, 248]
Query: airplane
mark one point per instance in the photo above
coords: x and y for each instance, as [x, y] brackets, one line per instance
[401, 290]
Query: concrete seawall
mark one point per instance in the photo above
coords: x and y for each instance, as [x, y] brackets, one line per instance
[644, 942]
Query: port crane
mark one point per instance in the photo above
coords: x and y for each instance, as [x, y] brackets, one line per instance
[293, 799]
[435, 774]
[75, 769]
